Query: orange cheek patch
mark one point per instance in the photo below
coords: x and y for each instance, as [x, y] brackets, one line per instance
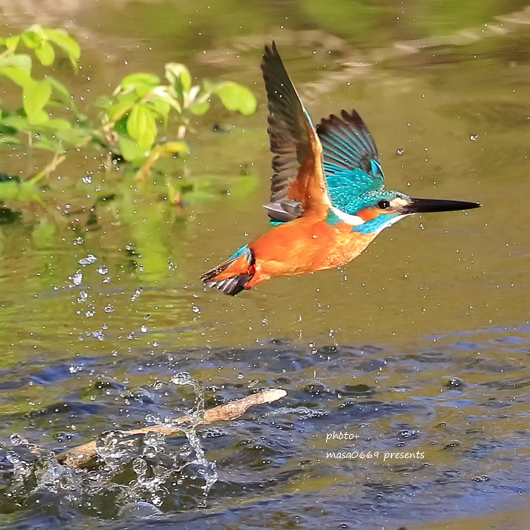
[367, 214]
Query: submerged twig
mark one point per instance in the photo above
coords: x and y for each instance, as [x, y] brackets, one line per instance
[82, 454]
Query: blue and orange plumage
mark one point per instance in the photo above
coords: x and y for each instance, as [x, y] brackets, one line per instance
[327, 198]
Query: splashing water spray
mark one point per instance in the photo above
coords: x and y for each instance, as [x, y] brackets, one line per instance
[206, 469]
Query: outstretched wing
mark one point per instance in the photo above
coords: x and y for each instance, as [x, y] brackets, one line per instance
[298, 184]
[351, 160]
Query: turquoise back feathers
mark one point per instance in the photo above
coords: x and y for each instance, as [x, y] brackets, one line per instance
[351, 161]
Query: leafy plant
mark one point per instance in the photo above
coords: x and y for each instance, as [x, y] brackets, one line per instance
[141, 103]
[131, 119]
[34, 125]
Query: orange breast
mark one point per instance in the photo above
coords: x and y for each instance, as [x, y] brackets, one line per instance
[305, 245]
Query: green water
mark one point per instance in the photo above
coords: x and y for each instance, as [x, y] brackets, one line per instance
[434, 298]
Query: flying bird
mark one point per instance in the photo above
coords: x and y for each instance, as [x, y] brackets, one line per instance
[328, 201]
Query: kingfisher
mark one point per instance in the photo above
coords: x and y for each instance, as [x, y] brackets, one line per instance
[328, 201]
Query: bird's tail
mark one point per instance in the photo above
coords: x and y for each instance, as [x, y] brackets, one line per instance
[231, 276]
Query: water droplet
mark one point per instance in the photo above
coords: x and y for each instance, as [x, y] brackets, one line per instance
[77, 278]
[102, 270]
[195, 309]
[144, 329]
[400, 151]
[109, 309]
[87, 179]
[473, 137]
[140, 466]
[16, 439]
[12, 457]
[136, 294]
[82, 298]
[151, 418]
[89, 260]
[182, 378]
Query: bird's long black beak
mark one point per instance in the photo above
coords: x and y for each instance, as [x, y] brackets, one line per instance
[436, 205]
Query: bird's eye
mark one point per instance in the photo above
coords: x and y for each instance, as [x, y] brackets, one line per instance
[383, 205]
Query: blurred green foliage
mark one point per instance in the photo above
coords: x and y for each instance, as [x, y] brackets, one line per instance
[128, 127]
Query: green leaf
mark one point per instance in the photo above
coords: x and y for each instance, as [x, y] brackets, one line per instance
[141, 126]
[130, 149]
[61, 93]
[139, 80]
[67, 44]
[121, 126]
[45, 54]
[58, 124]
[35, 96]
[10, 141]
[6, 129]
[40, 118]
[199, 108]
[179, 77]
[208, 86]
[17, 75]
[12, 42]
[9, 190]
[143, 90]
[20, 60]
[28, 192]
[117, 111]
[159, 107]
[31, 39]
[236, 97]
[164, 95]
[17, 122]
[74, 136]
[59, 89]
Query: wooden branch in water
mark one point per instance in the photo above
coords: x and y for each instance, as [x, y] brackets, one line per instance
[82, 454]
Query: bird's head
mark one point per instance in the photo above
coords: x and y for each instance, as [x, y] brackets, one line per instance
[375, 210]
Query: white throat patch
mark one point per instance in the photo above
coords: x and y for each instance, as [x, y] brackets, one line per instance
[353, 220]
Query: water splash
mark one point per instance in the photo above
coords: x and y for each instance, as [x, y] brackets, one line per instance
[134, 473]
[184, 378]
[203, 467]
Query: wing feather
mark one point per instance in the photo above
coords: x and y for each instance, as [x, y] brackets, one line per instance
[350, 158]
[297, 164]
